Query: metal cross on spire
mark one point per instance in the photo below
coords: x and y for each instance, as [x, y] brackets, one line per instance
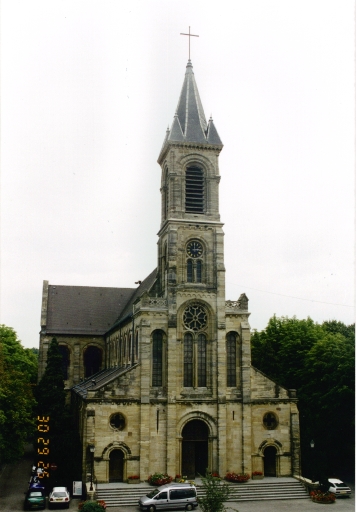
[189, 40]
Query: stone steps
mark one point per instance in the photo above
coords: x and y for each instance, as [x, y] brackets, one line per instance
[131, 494]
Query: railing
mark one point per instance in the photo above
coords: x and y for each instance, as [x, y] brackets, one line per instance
[150, 303]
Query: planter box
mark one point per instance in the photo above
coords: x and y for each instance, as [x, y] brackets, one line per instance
[257, 477]
[133, 481]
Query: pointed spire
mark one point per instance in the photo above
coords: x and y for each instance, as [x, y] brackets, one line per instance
[176, 131]
[212, 134]
[189, 124]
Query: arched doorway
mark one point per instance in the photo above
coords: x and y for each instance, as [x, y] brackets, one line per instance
[194, 449]
[92, 361]
[270, 461]
[116, 466]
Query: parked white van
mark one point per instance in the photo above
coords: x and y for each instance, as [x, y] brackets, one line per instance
[170, 496]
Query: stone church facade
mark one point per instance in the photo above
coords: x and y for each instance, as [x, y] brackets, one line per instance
[160, 376]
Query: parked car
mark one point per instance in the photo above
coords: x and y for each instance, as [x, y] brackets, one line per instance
[59, 496]
[170, 496]
[338, 487]
[35, 499]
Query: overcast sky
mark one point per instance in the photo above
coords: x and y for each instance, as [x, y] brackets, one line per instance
[88, 89]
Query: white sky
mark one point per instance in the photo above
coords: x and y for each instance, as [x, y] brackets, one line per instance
[88, 89]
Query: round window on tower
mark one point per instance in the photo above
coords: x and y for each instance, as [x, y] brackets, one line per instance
[270, 421]
[117, 421]
[195, 317]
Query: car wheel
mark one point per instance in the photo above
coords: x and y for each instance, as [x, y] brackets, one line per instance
[189, 507]
[152, 508]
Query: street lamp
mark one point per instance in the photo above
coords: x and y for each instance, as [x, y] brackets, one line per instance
[92, 450]
[312, 446]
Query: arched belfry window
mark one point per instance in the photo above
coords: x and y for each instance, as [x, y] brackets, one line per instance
[157, 358]
[231, 346]
[195, 321]
[166, 194]
[194, 190]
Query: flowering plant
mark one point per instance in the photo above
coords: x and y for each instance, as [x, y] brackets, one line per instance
[134, 477]
[92, 506]
[257, 473]
[159, 479]
[178, 476]
[234, 477]
[322, 497]
[215, 474]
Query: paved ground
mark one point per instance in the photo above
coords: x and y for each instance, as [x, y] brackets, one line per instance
[14, 481]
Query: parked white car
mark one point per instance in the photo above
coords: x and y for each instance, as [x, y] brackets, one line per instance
[59, 496]
[338, 487]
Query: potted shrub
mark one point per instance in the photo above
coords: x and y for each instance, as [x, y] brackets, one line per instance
[257, 475]
[237, 478]
[325, 498]
[134, 479]
[158, 479]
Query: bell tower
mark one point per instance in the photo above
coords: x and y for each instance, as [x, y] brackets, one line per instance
[190, 247]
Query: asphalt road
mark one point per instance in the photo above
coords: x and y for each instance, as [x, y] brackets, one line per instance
[14, 480]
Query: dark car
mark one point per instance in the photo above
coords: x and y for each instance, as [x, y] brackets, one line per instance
[35, 499]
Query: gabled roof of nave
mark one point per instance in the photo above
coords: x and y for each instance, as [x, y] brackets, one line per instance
[189, 124]
[85, 310]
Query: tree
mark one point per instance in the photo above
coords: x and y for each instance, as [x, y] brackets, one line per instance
[215, 494]
[50, 392]
[51, 398]
[318, 361]
[18, 367]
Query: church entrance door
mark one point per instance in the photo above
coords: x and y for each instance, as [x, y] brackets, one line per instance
[116, 466]
[270, 461]
[194, 449]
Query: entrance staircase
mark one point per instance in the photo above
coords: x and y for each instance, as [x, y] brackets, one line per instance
[274, 489]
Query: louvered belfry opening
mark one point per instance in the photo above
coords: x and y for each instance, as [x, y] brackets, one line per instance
[194, 190]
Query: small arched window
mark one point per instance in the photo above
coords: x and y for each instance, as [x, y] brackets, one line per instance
[157, 357]
[188, 360]
[136, 345]
[92, 360]
[65, 360]
[194, 197]
[231, 359]
[201, 361]
[189, 271]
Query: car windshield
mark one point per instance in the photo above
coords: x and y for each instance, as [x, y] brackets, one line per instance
[340, 484]
[59, 494]
[153, 493]
[35, 494]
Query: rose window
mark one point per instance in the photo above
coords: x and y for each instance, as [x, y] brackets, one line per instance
[195, 317]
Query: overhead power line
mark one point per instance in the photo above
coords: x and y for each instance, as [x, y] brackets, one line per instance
[293, 297]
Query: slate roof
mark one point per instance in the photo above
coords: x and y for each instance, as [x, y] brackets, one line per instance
[100, 379]
[90, 310]
[189, 124]
[84, 309]
[145, 286]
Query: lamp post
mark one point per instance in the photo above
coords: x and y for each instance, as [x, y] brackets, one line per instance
[92, 450]
[312, 446]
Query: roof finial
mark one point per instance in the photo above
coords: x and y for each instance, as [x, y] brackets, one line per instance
[189, 40]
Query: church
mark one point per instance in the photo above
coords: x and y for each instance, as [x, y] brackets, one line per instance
[160, 375]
